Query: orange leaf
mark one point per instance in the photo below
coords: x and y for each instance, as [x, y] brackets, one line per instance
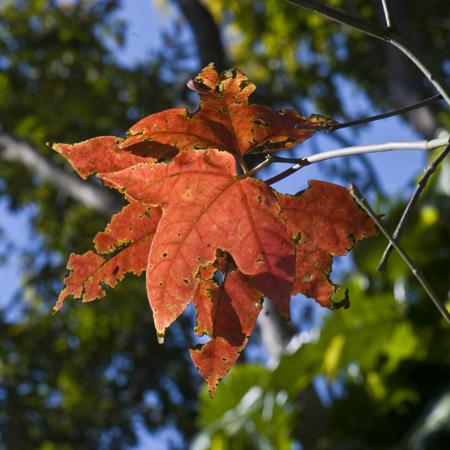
[101, 154]
[324, 222]
[205, 209]
[192, 218]
[225, 120]
[127, 239]
[227, 313]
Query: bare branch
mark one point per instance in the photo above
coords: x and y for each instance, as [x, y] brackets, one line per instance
[396, 112]
[414, 269]
[390, 36]
[85, 192]
[340, 17]
[412, 202]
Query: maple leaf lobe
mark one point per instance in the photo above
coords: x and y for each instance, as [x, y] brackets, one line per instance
[326, 222]
[124, 251]
[221, 213]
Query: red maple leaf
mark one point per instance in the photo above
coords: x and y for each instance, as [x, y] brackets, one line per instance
[223, 121]
[227, 313]
[324, 222]
[125, 245]
[206, 208]
[190, 217]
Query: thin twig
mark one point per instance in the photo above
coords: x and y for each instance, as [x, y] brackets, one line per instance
[428, 69]
[412, 202]
[414, 269]
[389, 15]
[395, 112]
[371, 172]
[340, 17]
[251, 172]
[283, 175]
[369, 148]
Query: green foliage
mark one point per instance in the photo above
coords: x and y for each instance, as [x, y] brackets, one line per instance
[81, 382]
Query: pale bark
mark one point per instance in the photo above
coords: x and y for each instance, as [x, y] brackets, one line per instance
[69, 184]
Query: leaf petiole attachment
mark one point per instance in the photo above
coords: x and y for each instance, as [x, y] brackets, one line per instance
[267, 162]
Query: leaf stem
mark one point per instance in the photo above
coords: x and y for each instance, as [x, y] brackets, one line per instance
[412, 202]
[242, 163]
[414, 269]
[251, 172]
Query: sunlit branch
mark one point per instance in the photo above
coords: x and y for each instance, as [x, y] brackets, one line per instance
[389, 15]
[412, 202]
[416, 271]
[356, 150]
[251, 172]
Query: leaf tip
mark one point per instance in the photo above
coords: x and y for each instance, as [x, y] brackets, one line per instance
[57, 307]
[160, 338]
[212, 392]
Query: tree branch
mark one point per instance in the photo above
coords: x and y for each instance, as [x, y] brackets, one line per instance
[412, 202]
[389, 15]
[415, 270]
[206, 33]
[390, 36]
[85, 192]
[340, 17]
[396, 112]
[372, 177]
[358, 149]
[275, 333]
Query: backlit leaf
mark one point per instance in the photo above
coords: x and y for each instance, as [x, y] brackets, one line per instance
[225, 120]
[101, 154]
[126, 242]
[205, 209]
[325, 222]
[227, 313]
